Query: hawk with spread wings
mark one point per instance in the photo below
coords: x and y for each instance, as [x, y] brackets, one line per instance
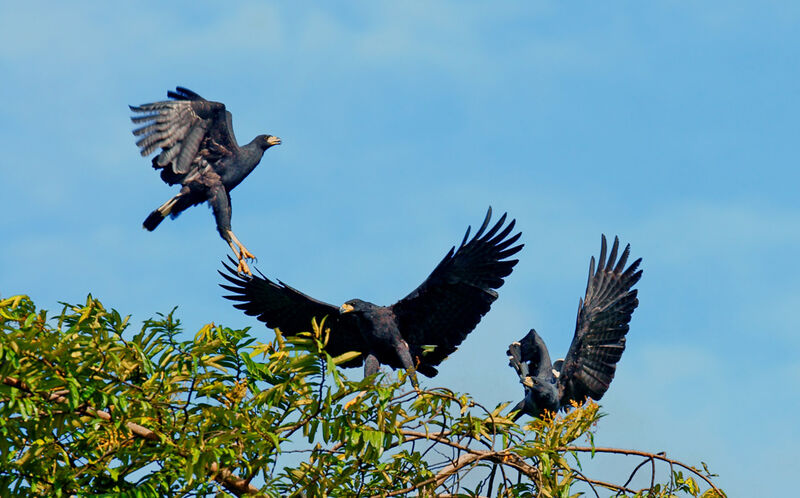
[597, 346]
[416, 333]
[199, 152]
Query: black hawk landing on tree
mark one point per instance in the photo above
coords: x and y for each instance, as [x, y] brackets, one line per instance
[597, 346]
[200, 152]
[416, 333]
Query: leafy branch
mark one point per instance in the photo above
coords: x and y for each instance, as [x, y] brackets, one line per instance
[87, 406]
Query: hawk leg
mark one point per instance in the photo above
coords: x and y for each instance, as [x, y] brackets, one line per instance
[241, 253]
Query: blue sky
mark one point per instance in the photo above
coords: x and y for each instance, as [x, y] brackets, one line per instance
[672, 124]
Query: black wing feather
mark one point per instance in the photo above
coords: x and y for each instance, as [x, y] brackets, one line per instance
[601, 326]
[447, 306]
[182, 93]
[192, 133]
[283, 307]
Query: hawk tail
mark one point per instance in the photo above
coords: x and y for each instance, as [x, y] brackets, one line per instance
[156, 217]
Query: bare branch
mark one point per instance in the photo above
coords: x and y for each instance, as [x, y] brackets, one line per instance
[654, 456]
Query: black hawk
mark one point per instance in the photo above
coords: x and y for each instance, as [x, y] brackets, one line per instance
[597, 346]
[200, 152]
[416, 333]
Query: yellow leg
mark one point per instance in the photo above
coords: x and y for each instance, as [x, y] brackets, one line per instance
[245, 254]
[241, 253]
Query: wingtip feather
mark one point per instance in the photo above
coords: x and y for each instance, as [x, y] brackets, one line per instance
[612, 257]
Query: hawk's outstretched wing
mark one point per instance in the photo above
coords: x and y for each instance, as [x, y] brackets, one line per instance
[603, 317]
[451, 301]
[283, 307]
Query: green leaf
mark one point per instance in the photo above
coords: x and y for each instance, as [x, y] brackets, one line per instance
[74, 397]
[345, 357]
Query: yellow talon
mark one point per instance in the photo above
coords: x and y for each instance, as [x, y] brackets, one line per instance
[241, 253]
[245, 253]
[243, 268]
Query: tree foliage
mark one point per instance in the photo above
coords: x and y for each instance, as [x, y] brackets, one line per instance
[88, 408]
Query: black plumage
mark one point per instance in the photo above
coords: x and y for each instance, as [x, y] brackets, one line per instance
[198, 151]
[597, 346]
[416, 333]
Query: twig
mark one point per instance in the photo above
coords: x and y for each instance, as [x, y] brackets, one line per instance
[645, 454]
[491, 479]
[434, 436]
[590, 482]
[635, 470]
[653, 473]
[609, 485]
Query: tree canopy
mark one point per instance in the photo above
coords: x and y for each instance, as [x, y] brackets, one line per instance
[90, 407]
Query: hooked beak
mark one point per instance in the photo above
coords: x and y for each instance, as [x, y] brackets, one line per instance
[346, 308]
[273, 141]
